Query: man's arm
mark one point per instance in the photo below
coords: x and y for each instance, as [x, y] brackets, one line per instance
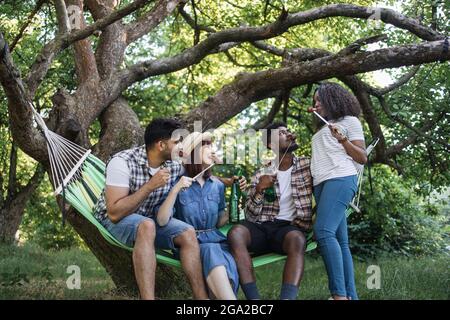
[255, 199]
[119, 203]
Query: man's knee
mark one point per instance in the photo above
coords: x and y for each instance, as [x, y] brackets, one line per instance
[187, 237]
[238, 236]
[147, 229]
[295, 242]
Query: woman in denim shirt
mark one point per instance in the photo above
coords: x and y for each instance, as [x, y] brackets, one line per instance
[202, 204]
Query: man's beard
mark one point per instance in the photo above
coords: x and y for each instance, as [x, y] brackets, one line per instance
[294, 146]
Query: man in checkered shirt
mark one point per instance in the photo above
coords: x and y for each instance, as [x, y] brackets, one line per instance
[277, 226]
[137, 183]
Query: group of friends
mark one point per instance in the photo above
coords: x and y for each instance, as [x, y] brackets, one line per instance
[152, 201]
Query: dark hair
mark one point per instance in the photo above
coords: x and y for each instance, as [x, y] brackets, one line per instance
[337, 101]
[192, 168]
[269, 128]
[160, 129]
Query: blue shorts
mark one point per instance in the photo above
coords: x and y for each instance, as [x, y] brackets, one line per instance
[126, 230]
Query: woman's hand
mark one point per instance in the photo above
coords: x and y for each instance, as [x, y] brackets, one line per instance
[184, 182]
[337, 133]
[355, 149]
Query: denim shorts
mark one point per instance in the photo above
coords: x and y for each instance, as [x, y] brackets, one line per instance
[126, 230]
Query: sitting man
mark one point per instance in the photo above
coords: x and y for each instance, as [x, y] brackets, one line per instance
[138, 181]
[276, 225]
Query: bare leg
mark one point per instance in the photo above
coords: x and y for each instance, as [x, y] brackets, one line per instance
[190, 261]
[239, 239]
[219, 284]
[294, 246]
[144, 260]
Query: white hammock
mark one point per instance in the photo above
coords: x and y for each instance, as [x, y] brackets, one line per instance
[355, 202]
[66, 157]
[68, 161]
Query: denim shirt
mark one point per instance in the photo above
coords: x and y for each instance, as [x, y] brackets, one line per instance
[201, 207]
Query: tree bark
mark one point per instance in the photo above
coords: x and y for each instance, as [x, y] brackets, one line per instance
[12, 210]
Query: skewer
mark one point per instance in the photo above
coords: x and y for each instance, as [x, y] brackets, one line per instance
[203, 171]
[313, 110]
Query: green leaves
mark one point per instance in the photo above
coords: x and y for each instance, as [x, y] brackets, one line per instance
[395, 219]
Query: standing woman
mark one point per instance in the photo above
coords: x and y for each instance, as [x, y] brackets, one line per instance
[337, 151]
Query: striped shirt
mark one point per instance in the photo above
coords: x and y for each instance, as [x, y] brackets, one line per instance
[257, 209]
[329, 159]
[139, 174]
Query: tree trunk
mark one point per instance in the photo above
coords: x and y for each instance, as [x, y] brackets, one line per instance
[11, 213]
[10, 219]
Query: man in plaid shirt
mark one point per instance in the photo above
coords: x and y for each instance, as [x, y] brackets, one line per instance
[277, 226]
[138, 181]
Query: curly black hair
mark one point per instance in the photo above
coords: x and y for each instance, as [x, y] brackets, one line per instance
[337, 101]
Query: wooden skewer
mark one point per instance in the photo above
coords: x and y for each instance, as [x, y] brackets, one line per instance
[313, 110]
[203, 171]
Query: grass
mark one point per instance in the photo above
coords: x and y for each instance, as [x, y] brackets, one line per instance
[30, 272]
[401, 278]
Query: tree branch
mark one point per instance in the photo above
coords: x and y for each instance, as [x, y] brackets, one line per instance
[12, 176]
[398, 147]
[236, 63]
[26, 24]
[196, 53]
[356, 46]
[400, 82]
[43, 61]
[85, 65]
[151, 19]
[248, 88]
[418, 131]
[62, 17]
[359, 89]
[276, 106]
[192, 22]
[24, 132]
[112, 41]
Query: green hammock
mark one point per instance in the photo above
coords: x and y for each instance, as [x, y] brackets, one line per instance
[84, 192]
[84, 189]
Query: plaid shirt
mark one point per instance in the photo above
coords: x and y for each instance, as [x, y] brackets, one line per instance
[136, 159]
[259, 210]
